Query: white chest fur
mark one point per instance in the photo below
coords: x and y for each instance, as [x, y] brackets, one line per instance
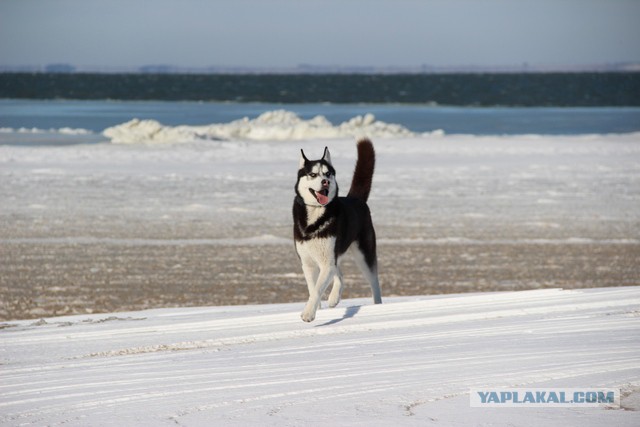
[320, 251]
[314, 214]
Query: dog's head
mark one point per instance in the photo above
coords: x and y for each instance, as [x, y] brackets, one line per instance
[317, 183]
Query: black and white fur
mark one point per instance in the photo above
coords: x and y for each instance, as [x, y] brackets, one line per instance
[326, 226]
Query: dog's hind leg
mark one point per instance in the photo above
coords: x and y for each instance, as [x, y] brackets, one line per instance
[369, 266]
[336, 290]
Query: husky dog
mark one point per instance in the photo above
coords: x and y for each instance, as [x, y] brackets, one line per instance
[325, 226]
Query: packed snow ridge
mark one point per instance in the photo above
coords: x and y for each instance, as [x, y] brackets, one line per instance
[275, 125]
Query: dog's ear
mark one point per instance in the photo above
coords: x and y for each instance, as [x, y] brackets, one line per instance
[326, 157]
[303, 160]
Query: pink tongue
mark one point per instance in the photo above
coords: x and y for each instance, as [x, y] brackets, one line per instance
[322, 199]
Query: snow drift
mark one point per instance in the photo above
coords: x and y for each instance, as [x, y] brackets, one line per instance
[276, 125]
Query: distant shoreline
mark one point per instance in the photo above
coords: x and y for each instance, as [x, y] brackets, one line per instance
[584, 89]
[617, 67]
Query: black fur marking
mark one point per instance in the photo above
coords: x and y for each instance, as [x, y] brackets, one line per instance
[323, 227]
[347, 219]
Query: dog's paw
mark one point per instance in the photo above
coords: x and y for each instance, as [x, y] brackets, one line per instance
[309, 312]
[333, 300]
[308, 317]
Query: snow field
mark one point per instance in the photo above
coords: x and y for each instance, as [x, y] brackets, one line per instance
[409, 361]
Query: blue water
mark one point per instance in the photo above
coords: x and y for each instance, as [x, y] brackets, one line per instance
[98, 115]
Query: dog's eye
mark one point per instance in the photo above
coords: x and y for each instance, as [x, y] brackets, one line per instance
[313, 175]
[328, 174]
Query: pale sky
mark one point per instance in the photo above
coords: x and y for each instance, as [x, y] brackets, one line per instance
[285, 33]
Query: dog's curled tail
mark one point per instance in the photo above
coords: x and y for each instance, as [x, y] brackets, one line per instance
[363, 174]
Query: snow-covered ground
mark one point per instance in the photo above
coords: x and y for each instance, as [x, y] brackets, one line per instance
[410, 361]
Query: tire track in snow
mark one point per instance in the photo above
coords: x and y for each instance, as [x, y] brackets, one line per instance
[368, 327]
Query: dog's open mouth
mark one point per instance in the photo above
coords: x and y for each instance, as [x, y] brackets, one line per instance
[321, 196]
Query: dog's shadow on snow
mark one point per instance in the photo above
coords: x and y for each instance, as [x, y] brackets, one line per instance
[348, 314]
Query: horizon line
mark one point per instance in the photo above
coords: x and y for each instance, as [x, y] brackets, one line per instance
[60, 67]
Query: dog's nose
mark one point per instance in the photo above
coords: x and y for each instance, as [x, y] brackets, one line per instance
[325, 182]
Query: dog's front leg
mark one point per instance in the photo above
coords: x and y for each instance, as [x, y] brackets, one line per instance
[324, 279]
[310, 271]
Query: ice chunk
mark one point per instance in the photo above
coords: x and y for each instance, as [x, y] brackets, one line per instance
[277, 125]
